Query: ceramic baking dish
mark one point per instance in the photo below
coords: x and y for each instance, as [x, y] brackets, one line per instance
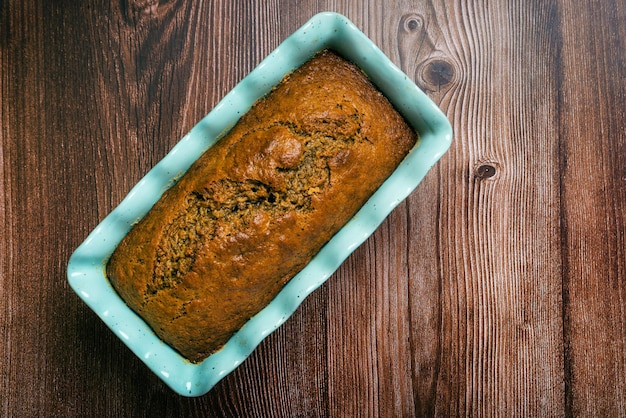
[87, 265]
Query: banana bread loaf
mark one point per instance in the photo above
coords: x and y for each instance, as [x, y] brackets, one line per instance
[257, 206]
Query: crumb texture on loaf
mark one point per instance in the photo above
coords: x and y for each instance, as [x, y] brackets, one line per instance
[256, 207]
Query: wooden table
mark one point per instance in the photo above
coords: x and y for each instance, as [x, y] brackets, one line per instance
[497, 288]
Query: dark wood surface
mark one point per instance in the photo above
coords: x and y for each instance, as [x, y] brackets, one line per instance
[497, 288]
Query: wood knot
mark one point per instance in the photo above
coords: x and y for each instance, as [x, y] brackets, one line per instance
[438, 72]
[435, 74]
[411, 23]
[485, 171]
[138, 10]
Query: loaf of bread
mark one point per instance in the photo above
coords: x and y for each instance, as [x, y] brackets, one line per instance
[257, 206]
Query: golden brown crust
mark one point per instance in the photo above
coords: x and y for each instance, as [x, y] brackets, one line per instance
[257, 206]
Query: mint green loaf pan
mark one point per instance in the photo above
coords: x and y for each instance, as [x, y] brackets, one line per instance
[87, 265]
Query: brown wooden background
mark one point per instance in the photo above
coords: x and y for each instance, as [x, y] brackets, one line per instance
[498, 287]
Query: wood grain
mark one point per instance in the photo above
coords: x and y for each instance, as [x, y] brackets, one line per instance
[501, 290]
[594, 181]
[497, 288]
